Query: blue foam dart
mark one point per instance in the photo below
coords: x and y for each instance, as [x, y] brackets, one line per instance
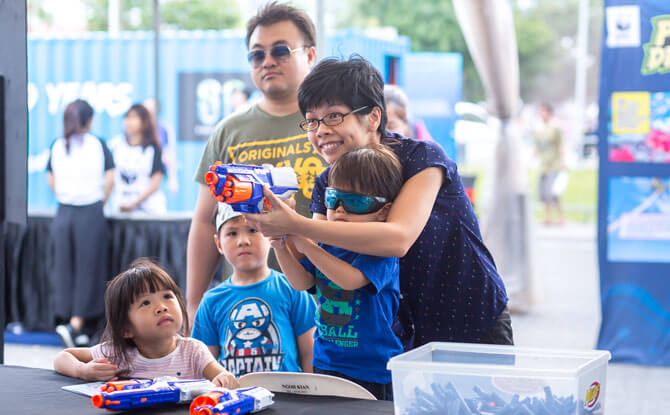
[445, 399]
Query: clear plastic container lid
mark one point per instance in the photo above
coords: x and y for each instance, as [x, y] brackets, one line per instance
[489, 360]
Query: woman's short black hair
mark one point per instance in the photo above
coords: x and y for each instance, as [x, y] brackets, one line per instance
[353, 82]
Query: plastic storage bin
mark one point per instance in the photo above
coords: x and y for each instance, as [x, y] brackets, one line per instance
[465, 379]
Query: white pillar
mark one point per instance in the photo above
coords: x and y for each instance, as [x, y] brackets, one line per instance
[320, 28]
[113, 17]
[580, 68]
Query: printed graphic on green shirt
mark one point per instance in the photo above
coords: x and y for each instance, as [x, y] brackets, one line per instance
[338, 309]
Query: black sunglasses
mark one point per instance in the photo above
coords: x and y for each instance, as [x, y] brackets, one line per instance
[279, 53]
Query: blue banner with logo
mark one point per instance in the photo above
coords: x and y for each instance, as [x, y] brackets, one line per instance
[634, 182]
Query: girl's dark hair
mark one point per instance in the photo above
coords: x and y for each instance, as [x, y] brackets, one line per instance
[371, 171]
[274, 12]
[353, 82]
[141, 277]
[149, 134]
[76, 117]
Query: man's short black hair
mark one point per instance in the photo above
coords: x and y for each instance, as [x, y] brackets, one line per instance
[353, 82]
[274, 12]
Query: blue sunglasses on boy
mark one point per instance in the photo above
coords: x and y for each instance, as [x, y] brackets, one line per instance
[352, 202]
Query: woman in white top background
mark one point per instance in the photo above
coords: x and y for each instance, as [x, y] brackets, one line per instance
[81, 175]
[139, 168]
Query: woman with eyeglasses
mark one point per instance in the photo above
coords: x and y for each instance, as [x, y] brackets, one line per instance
[450, 288]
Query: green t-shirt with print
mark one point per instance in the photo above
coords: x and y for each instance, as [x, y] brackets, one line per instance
[548, 140]
[255, 137]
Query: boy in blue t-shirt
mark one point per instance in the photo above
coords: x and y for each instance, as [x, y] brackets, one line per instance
[254, 321]
[357, 294]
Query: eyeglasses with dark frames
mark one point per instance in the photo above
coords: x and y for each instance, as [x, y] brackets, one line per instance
[331, 120]
[279, 53]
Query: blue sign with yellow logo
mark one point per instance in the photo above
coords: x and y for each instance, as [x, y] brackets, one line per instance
[634, 182]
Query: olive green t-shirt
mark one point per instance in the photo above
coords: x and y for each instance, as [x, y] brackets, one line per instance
[255, 137]
[548, 140]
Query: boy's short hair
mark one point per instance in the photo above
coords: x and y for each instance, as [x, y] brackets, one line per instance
[353, 82]
[222, 214]
[274, 12]
[371, 171]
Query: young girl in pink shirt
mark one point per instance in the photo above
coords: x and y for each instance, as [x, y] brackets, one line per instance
[145, 315]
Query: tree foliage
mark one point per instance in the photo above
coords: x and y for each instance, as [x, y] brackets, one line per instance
[432, 26]
[175, 14]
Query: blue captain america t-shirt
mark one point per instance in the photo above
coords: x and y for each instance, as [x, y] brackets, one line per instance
[255, 326]
[353, 335]
[451, 290]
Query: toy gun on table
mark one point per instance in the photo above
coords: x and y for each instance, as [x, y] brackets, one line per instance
[241, 186]
[239, 401]
[136, 393]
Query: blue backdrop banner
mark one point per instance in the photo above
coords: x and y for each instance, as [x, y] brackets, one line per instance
[634, 180]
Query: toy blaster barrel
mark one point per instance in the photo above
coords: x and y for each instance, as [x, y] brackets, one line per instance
[121, 385]
[238, 402]
[143, 393]
[241, 186]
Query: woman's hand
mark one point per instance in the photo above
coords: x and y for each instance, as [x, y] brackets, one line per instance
[129, 207]
[279, 221]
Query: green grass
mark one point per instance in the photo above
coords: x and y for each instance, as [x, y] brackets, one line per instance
[579, 200]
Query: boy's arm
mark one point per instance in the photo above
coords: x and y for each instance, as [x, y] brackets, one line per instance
[78, 363]
[201, 254]
[295, 273]
[338, 271]
[306, 350]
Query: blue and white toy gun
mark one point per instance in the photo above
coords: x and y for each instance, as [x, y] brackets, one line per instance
[241, 186]
[238, 401]
[133, 393]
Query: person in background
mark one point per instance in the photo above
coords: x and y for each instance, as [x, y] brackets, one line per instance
[80, 172]
[399, 122]
[167, 140]
[549, 144]
[281, 41]
[139, 167]
[240, 98]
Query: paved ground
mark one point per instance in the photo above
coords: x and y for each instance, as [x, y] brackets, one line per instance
[565, 315]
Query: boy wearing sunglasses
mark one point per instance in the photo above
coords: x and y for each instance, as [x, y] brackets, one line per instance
[357, 294]
[281, 43]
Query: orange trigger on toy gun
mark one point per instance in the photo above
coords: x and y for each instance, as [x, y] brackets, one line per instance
[267, 206]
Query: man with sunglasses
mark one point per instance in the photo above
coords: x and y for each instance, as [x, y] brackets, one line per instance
[281, 42]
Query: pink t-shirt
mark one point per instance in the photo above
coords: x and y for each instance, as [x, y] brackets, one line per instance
[187, 361]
